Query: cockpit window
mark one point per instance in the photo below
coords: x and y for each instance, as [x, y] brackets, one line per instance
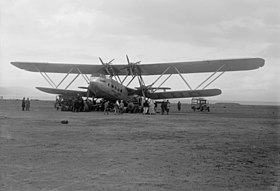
[98, 75]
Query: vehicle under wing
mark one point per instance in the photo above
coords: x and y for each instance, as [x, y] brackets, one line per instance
[62, 91]
[184, 94]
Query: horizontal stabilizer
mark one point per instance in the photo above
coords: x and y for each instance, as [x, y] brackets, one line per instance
[185, 94]
[62, 91]
[83, 87]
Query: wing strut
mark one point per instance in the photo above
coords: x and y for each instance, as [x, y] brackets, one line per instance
[72, 81]
[47, 78]
[51, 82]
[84, 76]
[170, 76]
[131, 80]
[182, 77]
[214, 80]
[124, 79]
[210, 77]
[163, 82]
[161, 76]
[64, 77]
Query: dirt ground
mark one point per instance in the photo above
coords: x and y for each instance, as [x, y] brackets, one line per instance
[231, 148]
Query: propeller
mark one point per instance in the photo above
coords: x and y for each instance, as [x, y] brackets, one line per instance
[108, 67]
[144, 89]
[133, 68]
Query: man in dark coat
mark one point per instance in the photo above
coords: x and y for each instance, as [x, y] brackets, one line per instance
[23, 104]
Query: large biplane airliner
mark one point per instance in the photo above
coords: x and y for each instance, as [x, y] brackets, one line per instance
[109, 81]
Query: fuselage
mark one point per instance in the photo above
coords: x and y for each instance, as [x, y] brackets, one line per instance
[102, 87]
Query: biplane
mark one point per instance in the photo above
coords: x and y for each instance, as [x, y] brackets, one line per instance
[111, 82]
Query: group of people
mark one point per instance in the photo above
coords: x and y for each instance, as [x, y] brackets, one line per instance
[145, 106]
[25, 104]
[118, 107]
[165, 107]
[75, 104]
[149, 107]
[78, 104]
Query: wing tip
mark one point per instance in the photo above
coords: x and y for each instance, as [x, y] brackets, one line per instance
[260, 62]
[28, 66]
[15, 63]
[211, 92]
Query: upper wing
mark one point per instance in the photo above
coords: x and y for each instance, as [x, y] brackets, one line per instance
[58, 67]
[202, 66]
[148, 69]
[185, 94]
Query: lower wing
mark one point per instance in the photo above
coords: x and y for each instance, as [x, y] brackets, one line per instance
[184, 94]
[62, 91]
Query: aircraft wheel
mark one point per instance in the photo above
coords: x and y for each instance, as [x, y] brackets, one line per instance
[130, 107]
[193, 108]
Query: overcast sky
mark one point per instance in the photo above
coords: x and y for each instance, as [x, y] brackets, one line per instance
[80, 31]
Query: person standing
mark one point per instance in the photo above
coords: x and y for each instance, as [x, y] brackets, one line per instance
[167, 107]
[121, 110]
[179, 106]
[146, 107]
[86, 105]
[106, 107]
[27, 103]
[116, 108]
[162, 107]
[151, 107]
[23, 104]
[155, 107]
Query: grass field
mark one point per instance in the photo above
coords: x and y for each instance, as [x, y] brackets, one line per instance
[231, 148]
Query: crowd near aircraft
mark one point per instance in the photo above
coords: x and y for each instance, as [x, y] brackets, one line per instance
[111, 82]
